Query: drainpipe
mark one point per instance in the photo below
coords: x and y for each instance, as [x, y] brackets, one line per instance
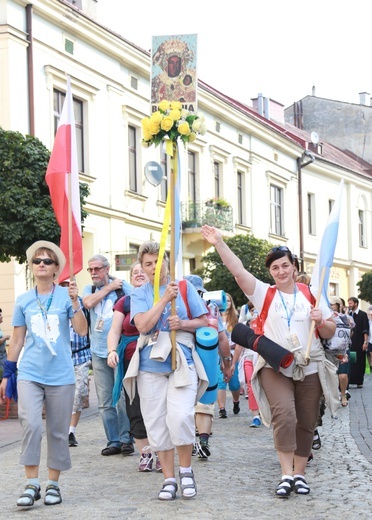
[300, 165]
[30, 71]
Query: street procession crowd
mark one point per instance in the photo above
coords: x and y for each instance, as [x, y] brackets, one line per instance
[290, 356]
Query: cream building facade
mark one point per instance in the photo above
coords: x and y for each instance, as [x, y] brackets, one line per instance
[279, 185]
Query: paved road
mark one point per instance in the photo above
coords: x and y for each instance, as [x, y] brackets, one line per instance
[237, 481]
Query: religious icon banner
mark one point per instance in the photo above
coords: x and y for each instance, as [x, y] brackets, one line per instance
[173, 71]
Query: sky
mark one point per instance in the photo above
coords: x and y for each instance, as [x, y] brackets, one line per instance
[279, 48]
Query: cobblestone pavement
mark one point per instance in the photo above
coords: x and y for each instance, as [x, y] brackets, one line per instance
[237, 481]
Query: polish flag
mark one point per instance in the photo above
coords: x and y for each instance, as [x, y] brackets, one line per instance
[62, 178]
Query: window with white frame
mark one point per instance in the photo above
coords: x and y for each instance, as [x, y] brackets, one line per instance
[192, 180]
[133, 159]
[164, 162]
[362, 228]
[217, 178]
[311, 228]
[276, 205]
[239, 196]
[192, 175]
[58, 100]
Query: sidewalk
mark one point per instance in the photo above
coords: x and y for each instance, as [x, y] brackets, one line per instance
[236, 482]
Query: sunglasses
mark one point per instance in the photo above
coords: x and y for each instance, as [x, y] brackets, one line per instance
[94, 269]
[46, 261]
[279, 248]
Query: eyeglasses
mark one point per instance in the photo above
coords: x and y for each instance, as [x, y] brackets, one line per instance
[46, 261]
[94, 269]
[279, 248]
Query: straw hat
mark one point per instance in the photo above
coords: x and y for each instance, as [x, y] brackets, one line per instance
[333, 300]
[44, 244]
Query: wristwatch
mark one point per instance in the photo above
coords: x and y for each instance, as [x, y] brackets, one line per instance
[228, 358]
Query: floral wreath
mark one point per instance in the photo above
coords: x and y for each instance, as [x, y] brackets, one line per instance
[171, 122]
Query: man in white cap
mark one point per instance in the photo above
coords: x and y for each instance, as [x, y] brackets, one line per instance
[82, 359]
[204, 412]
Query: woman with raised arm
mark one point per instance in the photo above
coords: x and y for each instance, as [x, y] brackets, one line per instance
[288, 399]
[41, 322]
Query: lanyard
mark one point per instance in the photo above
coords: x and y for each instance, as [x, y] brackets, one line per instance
[44, 310]
[289, 314]
[103, 304]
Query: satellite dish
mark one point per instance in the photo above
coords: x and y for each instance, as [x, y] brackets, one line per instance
[314, 137]
[153, 173]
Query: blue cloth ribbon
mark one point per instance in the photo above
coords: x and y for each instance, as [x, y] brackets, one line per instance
[10, 372]
[116, 391]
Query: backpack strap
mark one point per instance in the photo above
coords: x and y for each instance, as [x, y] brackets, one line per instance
[270, 296]
[182, 284]
[305, 289]
[267, 302]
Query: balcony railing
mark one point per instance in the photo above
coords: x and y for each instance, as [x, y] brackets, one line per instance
[196, 214]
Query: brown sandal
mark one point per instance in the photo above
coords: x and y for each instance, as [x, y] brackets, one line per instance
[344, 401]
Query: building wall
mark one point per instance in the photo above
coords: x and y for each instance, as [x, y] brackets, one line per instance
[101, 69]
[346, 125]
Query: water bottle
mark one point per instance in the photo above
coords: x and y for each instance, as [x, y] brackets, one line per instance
[254, 323]
[213, 316]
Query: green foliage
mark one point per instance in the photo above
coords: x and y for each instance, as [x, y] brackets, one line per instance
[26, 213]
[365, 287]
[251, 251]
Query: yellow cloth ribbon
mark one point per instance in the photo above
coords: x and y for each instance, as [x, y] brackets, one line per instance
[172, 151]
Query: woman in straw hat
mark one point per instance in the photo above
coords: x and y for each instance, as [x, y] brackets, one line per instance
[45, 371]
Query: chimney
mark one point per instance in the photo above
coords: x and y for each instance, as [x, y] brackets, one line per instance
[363, 98]
[260, 106]
[267, 108]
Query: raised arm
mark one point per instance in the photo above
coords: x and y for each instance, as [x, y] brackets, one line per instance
[245, 280]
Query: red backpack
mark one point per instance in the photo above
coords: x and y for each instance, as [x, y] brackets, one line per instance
[182, 284]
[269, 298]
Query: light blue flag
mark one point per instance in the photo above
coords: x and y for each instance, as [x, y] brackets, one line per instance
[327, 249]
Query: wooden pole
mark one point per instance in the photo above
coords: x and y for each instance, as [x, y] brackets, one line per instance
[312, 328]
[172, 187]
[70, 250]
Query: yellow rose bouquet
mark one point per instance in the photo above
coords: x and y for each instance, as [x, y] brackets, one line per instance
[170, 121]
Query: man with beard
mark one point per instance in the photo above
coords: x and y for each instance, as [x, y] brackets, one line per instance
[359, 342]
[99, 299]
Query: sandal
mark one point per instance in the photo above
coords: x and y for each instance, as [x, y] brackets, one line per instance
[192, 485]
[171, 492]
[52, 495]
[316, 441]
[31, 497]
[284, 488]
[111, 450]
[300, 486]
[344, 400]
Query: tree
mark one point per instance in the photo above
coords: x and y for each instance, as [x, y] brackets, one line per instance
[365, 287]
[251, 251]
[26, 213]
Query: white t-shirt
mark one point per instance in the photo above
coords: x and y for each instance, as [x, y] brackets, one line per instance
[281, 321]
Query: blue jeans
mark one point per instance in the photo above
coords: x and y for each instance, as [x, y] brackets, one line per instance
[115, 419]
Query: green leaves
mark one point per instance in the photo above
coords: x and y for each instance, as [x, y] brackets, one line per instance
[365, 287]
[26, 213]
[251, 251]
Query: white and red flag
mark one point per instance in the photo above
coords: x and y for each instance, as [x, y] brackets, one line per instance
[62, 178]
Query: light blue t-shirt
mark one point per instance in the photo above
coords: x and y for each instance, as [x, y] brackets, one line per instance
[142, 300]
[38, 363]
[102, 311]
